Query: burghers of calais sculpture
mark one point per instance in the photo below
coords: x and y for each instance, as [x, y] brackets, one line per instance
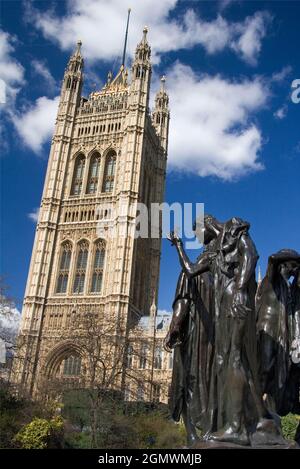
[215, 385]
[278, 328]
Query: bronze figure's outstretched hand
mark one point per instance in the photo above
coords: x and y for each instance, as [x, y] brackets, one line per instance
[174, 238]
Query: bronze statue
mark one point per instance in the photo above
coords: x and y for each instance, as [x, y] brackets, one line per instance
[278, 328]
[191, 332]
[215, 383]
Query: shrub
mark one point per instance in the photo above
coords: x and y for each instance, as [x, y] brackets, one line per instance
[41, 434]
[158, 431]
[289, 425]
[11, 409]
[77, 440]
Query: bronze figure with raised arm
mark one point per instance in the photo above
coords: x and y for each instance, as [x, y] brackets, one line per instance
[191, 334]
[231, 409]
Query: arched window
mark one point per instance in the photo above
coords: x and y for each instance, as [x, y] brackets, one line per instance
[143, 356]
[81, 263]
[72, 366]
[78, 175]
[93, 174]
[109, 174]
[64, 267]
[98, 266]
[158, 358]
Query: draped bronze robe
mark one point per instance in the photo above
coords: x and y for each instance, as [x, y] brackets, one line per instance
[193, 359]
[278, 325]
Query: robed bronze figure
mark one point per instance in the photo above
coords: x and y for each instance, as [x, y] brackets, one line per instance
[278, 328]
[215, 385]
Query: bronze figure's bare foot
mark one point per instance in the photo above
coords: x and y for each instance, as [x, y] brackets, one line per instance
[230, 436]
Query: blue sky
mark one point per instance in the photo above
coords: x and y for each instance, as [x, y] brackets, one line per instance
[234, 130]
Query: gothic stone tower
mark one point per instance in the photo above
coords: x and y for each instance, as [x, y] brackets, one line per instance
[104, 149]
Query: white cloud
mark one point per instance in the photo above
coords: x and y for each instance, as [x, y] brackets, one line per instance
[42, 70]
[211, 133]
[10, 318]
[164, 312]
[280, 76]
[34, 215]
[281, 113]
[11, 81]
[100, 25]
[252, 31]
[11, 71]
[35, 126]
[223, 4]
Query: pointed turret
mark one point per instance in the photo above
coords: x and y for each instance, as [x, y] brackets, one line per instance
[141, 68]
[161, 114]
[153, 314]
[73, 77]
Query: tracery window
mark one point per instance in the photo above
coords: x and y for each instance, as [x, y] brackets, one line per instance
[109, 173]
[72, 365]
[78, 175]
[93, 174]
[129, 356]
[158, 358]
[98, 266]
[143, 356]
[64, 267]
[81, 264]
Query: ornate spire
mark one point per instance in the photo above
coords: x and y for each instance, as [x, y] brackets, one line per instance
[143, 50]
[162, 98]
[78, 49]
[73, 77]
[161, 114]
[145, 32]
[76, 59]
[153, 308]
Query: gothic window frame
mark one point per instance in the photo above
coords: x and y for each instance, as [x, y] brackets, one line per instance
[158, 357]
[93, 178]
[78, 179]
[72, 365]
[144, 356]
[129, 356]
[81, 264]
[98, 268]
[109, 175]
[64, 265]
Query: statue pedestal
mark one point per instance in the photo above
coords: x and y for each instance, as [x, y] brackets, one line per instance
[209, 444]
